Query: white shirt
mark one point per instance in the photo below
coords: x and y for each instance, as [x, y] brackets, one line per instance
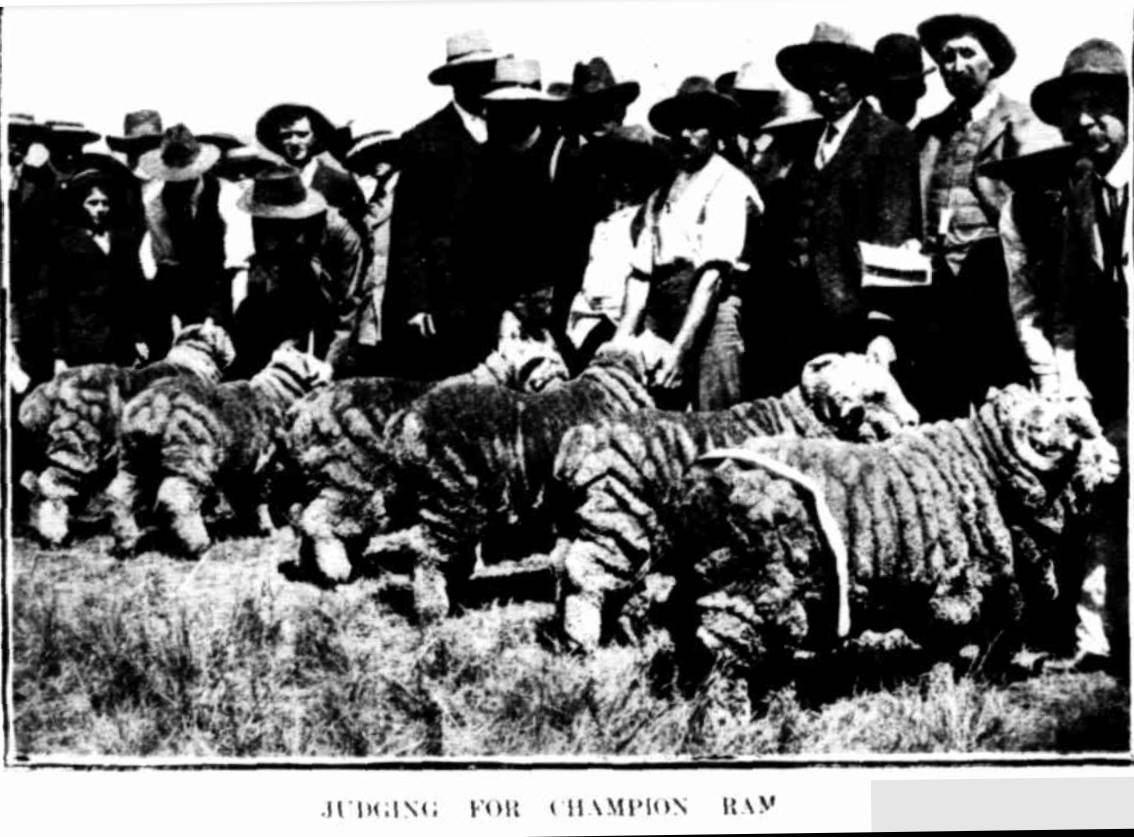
[984, 107]
[827, 147]
[475, 125]
[604, 282]
[702, 217]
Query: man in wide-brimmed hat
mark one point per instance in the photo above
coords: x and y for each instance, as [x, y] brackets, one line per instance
[962, 207]
[1069, 283]
[852, 178]
[901, 77]
[760, 99]
[687, 269]
[438, 158]
[141, 132]
[196, 242]
[65, 140]
[596, 101]
[305, 277]
[306, 139]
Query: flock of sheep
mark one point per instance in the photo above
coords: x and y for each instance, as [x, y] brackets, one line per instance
[810, 521]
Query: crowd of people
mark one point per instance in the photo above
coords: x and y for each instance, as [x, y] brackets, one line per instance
[752, 226]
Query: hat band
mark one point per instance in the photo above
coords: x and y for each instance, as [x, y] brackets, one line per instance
[280, 192]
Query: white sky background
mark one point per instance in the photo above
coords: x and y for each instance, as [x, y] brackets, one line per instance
[217, 67]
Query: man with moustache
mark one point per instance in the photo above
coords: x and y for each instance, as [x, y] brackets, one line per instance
[687, 269]
[851, 177]
[1069, 286]
[977, 347]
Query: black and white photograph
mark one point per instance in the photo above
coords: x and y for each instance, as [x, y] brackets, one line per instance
[570, 384]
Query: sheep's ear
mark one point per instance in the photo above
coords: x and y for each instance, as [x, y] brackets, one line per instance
[209, 322]
[29, 481]
[177, 327]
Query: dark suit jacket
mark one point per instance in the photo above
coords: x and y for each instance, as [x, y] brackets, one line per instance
[868, 191]
[431, 201]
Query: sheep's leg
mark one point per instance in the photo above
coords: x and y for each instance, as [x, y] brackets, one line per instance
[331, 563]
[122, 494]
[50, 512]
[181, 500]
[429, 580]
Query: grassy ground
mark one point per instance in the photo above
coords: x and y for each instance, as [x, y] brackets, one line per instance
[155, 656]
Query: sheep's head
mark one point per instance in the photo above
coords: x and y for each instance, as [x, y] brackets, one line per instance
[641, 355]
[207, 341]
[534, 364]
[856, 396]
[305, 370]
[1058, 440]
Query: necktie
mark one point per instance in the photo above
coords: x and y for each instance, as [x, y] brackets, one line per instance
[825, 151]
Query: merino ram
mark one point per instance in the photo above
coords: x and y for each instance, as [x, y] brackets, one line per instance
[949, 533]
[613, 479]
[183, 439]
[476, 457]
[334, 464]
[76, 417]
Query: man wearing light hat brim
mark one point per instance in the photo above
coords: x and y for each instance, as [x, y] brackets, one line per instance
[141, 132]
[462, 51]
[280, 193]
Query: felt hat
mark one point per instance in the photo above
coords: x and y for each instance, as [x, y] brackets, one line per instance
[141, 132]
[829, 45]
[268, 125]
[517, 80]
[373, 147]
[899, 58]
[461, 51]
[794, 109]
[181, 156]
[696, 102]
[279, 193]
[224, 141]
[247, 161]
[60, 130]
[594, 81]
[1096, 64]
[937, 30]
[23, 126]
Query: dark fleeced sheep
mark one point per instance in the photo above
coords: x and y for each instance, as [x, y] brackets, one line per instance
[183, 439]
[950, 531]
[614, 478]
[478, 457]
[334, 465]
[76, 417]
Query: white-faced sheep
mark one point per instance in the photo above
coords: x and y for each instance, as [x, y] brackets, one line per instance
[950, 531]
[184, 439]
[76, 417]
[614, 478]
[476, 457]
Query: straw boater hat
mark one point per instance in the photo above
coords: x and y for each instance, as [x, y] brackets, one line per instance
[696, 102]
[280, 194]
[268, 125]
[1096, 64]
[593, 82]
[181, 156]
[899, 59]
[371, 148]
[464, 50]
[141, 132]
[517, 80]
[937, 30]
[60, 130]
[828, 45]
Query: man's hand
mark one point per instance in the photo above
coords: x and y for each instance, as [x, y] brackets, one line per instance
[669, 370]
[881, 350]
[142, 351]
[18, 379]
[510, 327]
[423, 323]
[60, 365]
